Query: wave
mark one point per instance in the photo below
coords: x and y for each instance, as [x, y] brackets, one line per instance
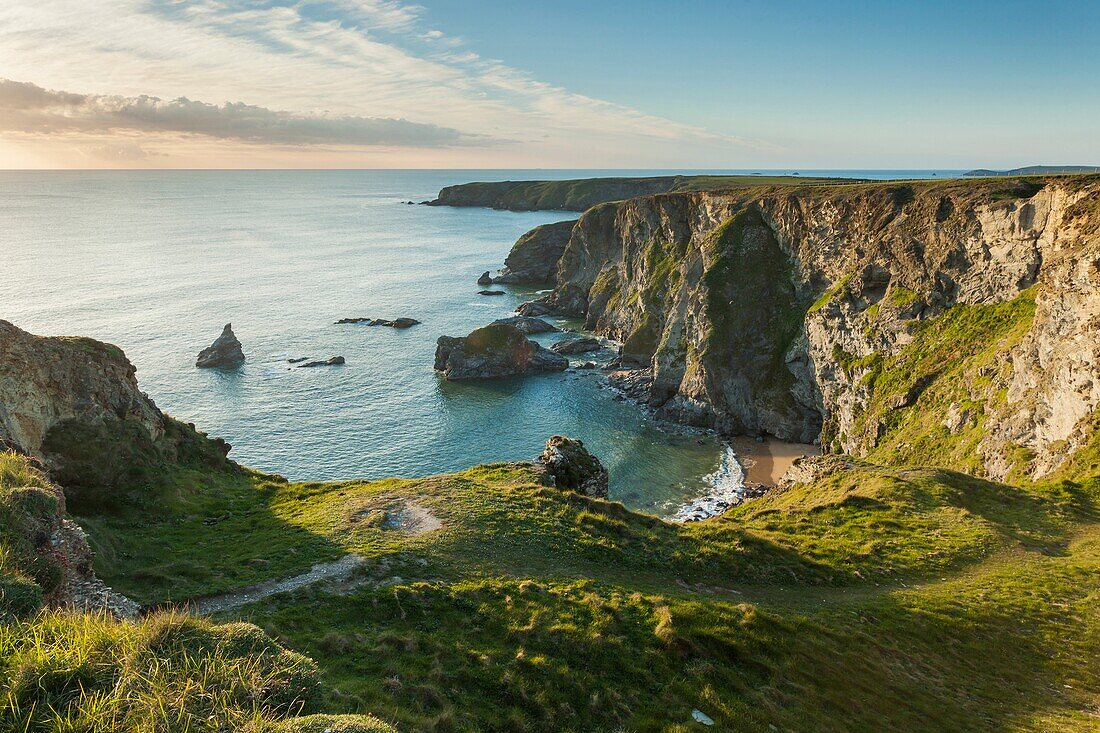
[727, 489]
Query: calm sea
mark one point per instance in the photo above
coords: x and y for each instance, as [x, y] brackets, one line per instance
[158, 262]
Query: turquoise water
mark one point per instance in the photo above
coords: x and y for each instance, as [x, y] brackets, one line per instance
[157, 262]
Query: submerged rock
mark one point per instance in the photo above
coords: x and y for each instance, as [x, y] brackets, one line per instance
[334, 361]
[225, 352]
[498, 350]
[526, 324]
[402, 322]
[485, 279]
[573, 467]
[579, 345]
[490, 292]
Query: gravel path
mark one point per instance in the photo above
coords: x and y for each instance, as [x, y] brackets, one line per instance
[336, 570]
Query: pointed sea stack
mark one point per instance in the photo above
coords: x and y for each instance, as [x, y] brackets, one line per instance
[224, 353]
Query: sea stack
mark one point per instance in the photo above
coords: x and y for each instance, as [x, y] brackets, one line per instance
[494, 351]
[224, 353]
[485, 279]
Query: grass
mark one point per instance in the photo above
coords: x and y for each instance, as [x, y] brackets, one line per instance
[951, 366]
[867, 600]
[164, 673]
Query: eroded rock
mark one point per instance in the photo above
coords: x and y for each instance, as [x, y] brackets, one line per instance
[572, 467]
[494, 351]
[224, 353]
[526, 324]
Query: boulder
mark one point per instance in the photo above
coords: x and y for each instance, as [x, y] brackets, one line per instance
[405, 322]
[334, 361]
[225, 352]
[494, 351]
[572, 467]
[485, 279]
[579, 345]
[534, 257]
[526, 324]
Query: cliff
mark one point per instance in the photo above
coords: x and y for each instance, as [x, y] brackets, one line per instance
[534, 257]
[74, 404]
[952, 322]
[584, 193]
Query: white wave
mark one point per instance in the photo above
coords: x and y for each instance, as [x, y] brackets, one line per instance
[727, 489]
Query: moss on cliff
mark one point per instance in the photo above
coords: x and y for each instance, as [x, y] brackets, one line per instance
[929, 403]
[754, 313]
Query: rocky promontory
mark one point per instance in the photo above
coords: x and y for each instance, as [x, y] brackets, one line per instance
[584, 193]
[534, 257]
[74, 404]
[494, 351]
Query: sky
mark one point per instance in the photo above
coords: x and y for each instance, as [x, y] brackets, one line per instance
[684, 84]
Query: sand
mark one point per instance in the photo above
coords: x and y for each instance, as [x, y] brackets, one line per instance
[765, 463]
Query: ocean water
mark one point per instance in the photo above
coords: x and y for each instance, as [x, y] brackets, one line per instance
[158, 261]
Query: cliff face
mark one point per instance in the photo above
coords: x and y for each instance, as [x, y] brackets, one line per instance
[74, 404]
[812, 312]
[45, 382]
[534, 257]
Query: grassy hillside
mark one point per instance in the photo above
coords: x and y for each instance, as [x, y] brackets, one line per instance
[872, 598]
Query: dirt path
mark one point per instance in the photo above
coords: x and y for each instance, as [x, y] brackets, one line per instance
[336, 570]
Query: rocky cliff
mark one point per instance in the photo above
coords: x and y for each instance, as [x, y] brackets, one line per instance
[877, 318]
[75, 405]
[584, 193]
[534, 257]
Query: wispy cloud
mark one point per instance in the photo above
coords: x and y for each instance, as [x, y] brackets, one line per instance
[362, 72]
[29, 109]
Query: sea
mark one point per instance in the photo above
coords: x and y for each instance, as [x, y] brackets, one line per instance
[157, 262]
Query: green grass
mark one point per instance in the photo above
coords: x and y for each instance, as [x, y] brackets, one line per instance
[952, 364]
[868, 600]
[164, 673]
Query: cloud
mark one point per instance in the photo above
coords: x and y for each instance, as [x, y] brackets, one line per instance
[373, 65]
[29, 109]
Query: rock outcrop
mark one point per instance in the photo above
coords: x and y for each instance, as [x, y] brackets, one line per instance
[572, 467]
[333, 361]
[788, 311]
[74, 404]
[399, 323]
[224, 353]
[578, 345]
[485, 279]
[494, 351]
[526, 324]
[46, 382]
[534, 257]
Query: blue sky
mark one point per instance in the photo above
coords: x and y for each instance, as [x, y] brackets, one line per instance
[471, 83]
